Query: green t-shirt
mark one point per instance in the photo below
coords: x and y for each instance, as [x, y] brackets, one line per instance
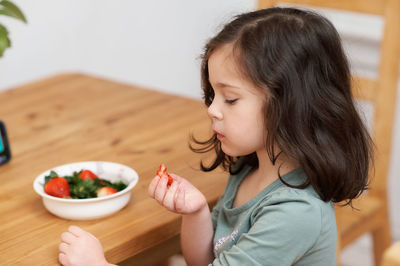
[279, 226]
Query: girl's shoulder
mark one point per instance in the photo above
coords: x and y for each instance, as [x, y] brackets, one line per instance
[300, 219]
[303, 201]
[285, 193]
[295, 203]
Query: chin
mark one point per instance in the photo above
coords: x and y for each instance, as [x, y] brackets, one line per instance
[234, 152]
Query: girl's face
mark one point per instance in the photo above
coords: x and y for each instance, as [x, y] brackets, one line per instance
[237, 108]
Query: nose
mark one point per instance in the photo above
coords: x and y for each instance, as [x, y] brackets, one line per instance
[214, 112]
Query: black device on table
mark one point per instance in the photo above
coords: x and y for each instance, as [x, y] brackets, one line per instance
[5, 152]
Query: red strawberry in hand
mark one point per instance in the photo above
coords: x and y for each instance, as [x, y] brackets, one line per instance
[162, 172]
[57, 187]
[87, 174]
[105, 191]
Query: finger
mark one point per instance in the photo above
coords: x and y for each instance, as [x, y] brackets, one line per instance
[180, 199]
[63, 247]
[68, 238]
[169, 199]
[177, 177]
[76, 231]
[62, 258]
[153, 186]
[92, 236]
[160, 190]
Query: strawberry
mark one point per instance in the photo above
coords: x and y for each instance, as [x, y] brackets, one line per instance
[105, 191]
[170, 180]
[87, 174]
[57, 187]
[162, 172]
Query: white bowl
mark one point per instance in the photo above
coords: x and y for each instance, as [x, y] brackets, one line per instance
[93, 208]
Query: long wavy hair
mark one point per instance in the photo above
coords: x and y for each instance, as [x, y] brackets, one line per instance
[296, 57]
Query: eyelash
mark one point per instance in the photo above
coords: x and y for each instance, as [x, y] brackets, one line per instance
[231, 101]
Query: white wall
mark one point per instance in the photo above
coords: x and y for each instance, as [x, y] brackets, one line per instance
[152, 43]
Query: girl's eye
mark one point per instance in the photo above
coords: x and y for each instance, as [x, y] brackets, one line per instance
[231, 101]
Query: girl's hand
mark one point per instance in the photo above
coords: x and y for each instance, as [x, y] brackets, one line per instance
[180, 197]
[79, 247]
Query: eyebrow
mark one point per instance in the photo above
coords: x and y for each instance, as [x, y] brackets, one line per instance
[225, 85]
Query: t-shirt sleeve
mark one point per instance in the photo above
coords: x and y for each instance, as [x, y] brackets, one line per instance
[280, 234]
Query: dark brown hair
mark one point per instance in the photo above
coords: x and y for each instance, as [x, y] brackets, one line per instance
[296, 57]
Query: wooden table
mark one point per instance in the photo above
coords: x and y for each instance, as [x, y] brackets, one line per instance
[75, 117]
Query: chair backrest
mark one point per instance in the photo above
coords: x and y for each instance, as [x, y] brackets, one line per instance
[392, 256]
[381, 92]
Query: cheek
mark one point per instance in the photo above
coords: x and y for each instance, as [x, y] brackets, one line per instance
[258, 132]
[245, 134]
[249, 129]
[261, 126]
[256, 128]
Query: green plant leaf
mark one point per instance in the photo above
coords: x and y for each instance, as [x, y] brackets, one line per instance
[3, 29]
[8, 8]
[4, 40]
[52, 174]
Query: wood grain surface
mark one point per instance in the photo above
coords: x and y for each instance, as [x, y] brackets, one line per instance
[76, 117]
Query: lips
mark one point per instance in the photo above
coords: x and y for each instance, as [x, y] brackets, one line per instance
[219, 135]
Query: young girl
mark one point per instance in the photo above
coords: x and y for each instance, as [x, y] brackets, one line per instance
[277, 86]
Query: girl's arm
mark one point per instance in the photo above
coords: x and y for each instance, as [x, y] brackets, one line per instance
[197, 237]
[197, 231]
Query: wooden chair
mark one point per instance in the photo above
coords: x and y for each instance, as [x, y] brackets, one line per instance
[372, 216]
